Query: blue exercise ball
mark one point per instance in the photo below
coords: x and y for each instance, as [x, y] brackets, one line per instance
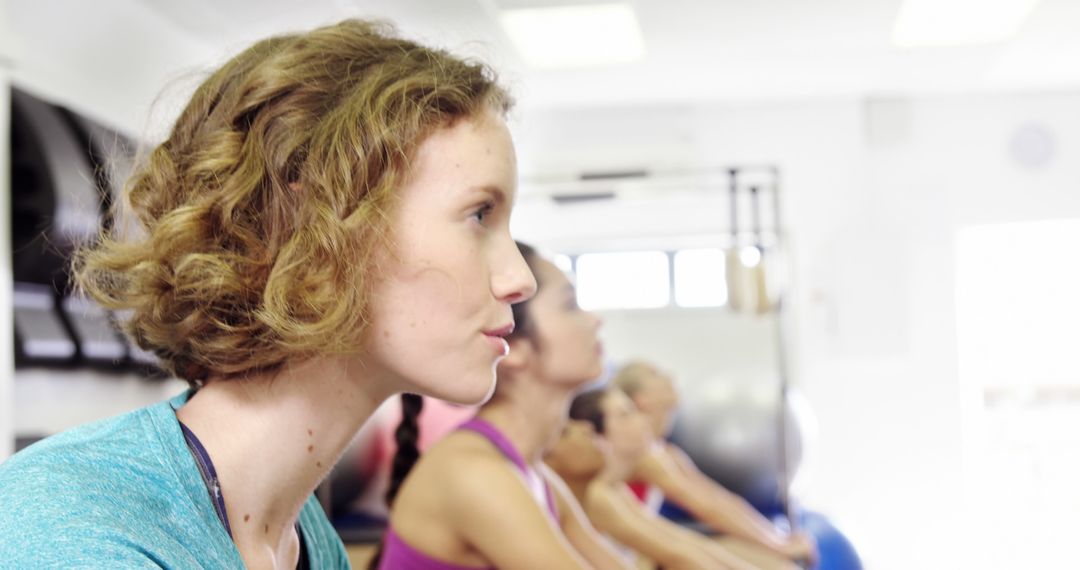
[835, 551]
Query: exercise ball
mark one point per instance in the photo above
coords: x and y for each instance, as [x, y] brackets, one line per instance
[731, 430]
[835, 551]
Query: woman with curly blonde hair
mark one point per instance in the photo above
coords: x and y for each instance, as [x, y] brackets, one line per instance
[326, 225]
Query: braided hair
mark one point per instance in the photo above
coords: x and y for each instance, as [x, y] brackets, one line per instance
[407, 438]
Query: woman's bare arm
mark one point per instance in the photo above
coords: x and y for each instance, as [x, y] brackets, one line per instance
[578, 529]
[742, 520]
[626, 521]
[499, 518]
[720, 509]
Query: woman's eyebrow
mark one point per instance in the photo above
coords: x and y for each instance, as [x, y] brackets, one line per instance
[493, 190]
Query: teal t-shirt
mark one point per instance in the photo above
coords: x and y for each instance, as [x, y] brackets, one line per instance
[125, 492]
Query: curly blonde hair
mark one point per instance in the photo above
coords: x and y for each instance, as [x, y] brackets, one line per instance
[260, 214]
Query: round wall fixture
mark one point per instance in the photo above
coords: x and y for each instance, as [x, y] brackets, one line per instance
[1032, 145]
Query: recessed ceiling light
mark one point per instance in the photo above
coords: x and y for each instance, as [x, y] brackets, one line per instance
[927, 23]
[575, 36]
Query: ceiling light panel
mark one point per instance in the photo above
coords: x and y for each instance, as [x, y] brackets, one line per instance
[575, 36]
[936, 23]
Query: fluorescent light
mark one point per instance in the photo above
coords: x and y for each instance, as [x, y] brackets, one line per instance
[750, 256]
[925, 23]
[575, 36]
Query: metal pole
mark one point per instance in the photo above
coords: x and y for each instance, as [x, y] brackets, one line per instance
[733, 190]
[782, 361]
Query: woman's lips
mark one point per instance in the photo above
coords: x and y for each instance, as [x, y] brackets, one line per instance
[504, 330]
[498, 344]
[496, 340]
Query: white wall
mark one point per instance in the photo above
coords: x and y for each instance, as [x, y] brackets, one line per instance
[952, 170]
[7, 358]
[875, 192]
[50, 401]
[117, 61]
[695, 345]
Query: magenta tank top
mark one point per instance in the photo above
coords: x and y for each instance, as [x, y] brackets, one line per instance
[398, 555]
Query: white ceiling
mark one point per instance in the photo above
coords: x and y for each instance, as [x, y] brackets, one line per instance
[718, 50]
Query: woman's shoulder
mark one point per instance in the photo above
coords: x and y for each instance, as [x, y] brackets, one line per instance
[461, 451]
[464, 468]
[104, 482]
[82, 452]
[111, 491]
[455, 483]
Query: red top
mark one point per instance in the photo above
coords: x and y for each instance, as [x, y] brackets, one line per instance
[639, 488]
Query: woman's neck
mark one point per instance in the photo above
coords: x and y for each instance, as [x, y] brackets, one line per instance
[530, 414]
[616, 471]
[579, 485]
[273, 438]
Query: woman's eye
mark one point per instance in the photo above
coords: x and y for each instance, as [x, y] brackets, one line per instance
[482, 213]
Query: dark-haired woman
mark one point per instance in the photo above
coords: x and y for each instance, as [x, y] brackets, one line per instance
[325, 226]
[481, 497]
[596, 454]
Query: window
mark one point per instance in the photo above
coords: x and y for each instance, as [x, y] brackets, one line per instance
[700, 278]
[1017, 297]
[564, 262]
[625, 280]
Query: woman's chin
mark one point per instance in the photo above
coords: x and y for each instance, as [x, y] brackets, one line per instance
[596, 372]
[474, 393]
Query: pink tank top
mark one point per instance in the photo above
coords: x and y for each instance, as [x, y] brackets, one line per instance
[398, 555]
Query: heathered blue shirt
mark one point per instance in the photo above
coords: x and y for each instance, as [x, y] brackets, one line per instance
[125, 493]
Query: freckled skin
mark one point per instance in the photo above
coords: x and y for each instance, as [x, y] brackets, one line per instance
[454, 265]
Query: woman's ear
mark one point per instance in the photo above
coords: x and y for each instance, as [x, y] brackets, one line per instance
[521, 353]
